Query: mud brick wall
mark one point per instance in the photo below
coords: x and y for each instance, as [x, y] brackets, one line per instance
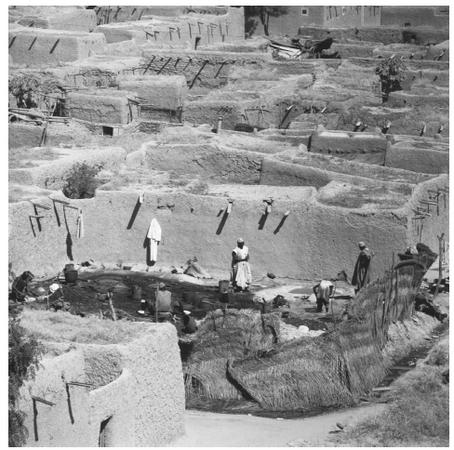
[181, 32]
[68, 19]
[190, 226]
[109, 107]
[205, 161]
[165, 92]
[350, 145]
[383, 34]
[415, 16]
[40, 47]
[401, 99]
[427, 228]
[136, 383]
[417, 159]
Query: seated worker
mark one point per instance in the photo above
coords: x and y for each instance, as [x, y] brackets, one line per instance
[20, 288]
[162, 302]
[323, 291]
[189, 325]
[56, 298]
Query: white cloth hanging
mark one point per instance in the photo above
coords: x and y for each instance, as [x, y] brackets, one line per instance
[154, 238]
[153, 248]
[154, 231]
[80, 225]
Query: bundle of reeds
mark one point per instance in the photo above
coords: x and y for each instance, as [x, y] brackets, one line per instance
[223, 336]
[364, 360]
[208, 379]
[302, 375]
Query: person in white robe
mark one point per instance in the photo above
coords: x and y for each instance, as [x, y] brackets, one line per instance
[241, 269]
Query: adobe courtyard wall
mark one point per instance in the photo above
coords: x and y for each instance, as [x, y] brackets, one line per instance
[314, 241]
[417, 159]
[427, 229]
[42, 47]
[144, 400]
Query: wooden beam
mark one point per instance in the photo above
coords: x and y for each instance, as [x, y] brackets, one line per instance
[54, 46]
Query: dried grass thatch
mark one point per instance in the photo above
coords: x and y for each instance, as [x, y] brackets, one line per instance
[236, 354]
[232, 335]
[303, 375]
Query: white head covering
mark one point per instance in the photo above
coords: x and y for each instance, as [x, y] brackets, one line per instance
[54, 287]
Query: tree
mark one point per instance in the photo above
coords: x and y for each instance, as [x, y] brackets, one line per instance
[264, 13]
[391, 72]
[81, 181]
[24, 353]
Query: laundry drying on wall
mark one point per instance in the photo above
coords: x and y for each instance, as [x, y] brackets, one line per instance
[154, 238]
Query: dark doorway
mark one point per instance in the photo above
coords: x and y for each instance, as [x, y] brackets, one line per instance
[104, 433]
[107, 131]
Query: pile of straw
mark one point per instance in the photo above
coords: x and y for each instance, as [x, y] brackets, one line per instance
[302, 375]
[237, 354]
[222, 337]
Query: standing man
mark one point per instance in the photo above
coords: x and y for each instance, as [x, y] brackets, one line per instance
[323, 291]
[361, 274]
[241, 270]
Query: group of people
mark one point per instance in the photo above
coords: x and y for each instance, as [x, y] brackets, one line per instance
[241, 274]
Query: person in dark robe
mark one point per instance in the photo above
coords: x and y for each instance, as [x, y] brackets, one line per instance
[361, 274]
[20, 287]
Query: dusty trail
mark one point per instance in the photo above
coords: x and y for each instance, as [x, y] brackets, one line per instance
[204, 429]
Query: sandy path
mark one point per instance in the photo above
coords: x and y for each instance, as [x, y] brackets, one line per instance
[205, 429]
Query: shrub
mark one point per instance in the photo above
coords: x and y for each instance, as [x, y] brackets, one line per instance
[81, 181]
[391, 72]
[23, 356]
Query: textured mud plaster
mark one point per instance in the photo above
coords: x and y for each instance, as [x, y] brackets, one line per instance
[415, 16]
[51, 47]
[24, 135]
[417, 159]
[137, 384]
[191, 226]
[200, 112]
[361, 146]
[68, 19]
[383, 34]
[207, 161]
[435, 224]
[166, 92]
[107, 106]
[51, 173]
[401, 99]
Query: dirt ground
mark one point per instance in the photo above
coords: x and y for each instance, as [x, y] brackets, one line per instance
[205, 429]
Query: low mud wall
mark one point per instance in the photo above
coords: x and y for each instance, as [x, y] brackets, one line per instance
[426, 228]
[314, 241]
[385, 35]
[205, 161]
[40, 47]
[417, 160]
[139, 398]
[365, 147]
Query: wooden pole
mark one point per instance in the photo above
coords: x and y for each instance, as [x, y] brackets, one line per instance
[440, 262]
[156, 304]
[112, 309]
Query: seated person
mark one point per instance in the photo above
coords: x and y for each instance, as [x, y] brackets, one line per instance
[189, 325]
[20, 288]
[162, 302]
